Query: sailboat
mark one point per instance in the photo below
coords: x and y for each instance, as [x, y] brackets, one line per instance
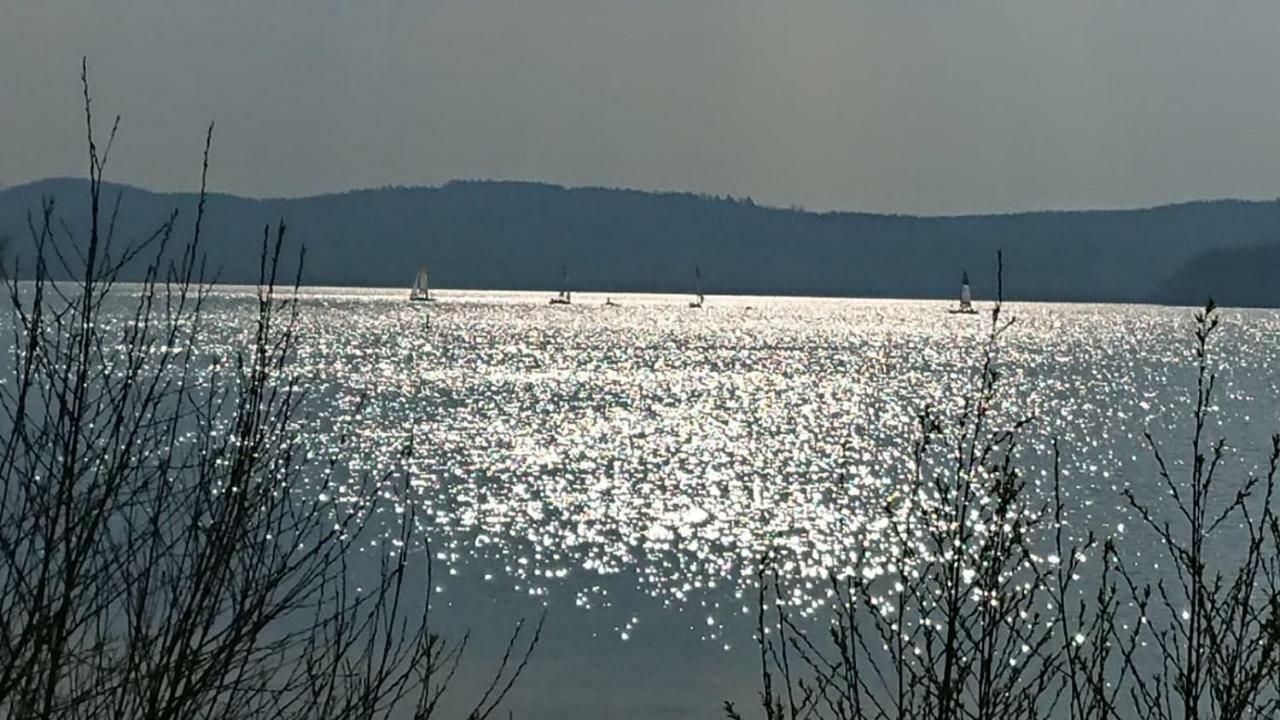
[697, 279]
[966, 300]
[421, 292]
[563, 298]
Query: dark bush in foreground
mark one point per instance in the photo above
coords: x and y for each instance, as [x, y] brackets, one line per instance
[157, 559]
[976, 608]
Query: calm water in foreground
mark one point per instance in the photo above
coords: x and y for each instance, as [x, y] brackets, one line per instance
[624, 467]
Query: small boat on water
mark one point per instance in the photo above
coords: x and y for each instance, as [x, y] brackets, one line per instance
[563, 297]
[966, 298]
[697, 280]
[421, 291]
[608, 302]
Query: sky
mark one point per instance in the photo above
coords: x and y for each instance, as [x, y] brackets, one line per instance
[912, 106]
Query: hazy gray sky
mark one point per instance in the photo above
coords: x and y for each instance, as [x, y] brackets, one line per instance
[932, 106]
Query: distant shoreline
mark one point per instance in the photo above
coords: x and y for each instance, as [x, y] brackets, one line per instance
[519, 235]
[596, 298]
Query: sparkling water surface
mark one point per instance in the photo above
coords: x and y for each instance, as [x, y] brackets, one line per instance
[624, 468]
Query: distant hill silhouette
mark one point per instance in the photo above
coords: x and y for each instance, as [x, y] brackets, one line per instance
[516, 235]
[1248, 277]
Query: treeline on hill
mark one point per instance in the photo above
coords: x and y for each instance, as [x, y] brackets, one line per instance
[516, 235]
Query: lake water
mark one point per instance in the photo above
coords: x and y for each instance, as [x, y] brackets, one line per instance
[623, 468]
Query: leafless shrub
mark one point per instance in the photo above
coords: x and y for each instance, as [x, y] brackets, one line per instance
[157, 559]
[976, 609]
[1213, 625]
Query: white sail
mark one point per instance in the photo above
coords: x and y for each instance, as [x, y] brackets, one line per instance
[421, 290]
[966, 299]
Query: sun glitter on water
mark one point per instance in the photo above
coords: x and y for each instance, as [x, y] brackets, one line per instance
[556, 445]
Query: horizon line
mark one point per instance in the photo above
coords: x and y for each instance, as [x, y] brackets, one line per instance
[724, 197]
